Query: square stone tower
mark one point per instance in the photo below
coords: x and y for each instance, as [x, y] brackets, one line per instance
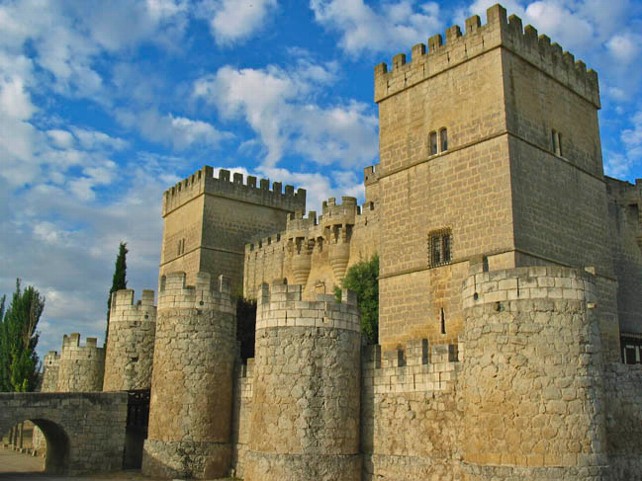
[208, 221]
[490, 159]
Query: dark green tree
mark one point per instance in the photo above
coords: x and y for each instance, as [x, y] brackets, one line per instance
[363, 279]
[119, 280]
[18, 339]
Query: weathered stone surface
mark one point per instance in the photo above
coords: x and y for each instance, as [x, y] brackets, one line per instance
[85, 432]
[192, 382]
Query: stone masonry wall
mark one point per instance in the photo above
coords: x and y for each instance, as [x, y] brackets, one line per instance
[81, 368]
[208, 220]
[192, 381]
[623, 386]
[625, 234]
[314, 252]
[51, 365]
[130, 345]
[410, 418]
[306, 384]
[244, 391]
[531, 387]
[85, 432]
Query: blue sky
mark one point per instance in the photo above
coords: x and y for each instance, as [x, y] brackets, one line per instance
[103, 105]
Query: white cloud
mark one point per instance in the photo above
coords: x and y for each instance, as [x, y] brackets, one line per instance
[625, 47]
[367, 29]
[234, 21]
[179, 132]
[280, 107]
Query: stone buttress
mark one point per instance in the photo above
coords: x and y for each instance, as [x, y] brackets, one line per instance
[305, 421]
[130, 344]
[192, 380]
[531, 386]
[81, 368]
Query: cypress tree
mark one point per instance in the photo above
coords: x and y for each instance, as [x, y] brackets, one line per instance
[119, 280]
[19, 338]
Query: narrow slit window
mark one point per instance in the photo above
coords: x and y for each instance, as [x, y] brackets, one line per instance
[556, 139]
[433, 143]
[443, 138]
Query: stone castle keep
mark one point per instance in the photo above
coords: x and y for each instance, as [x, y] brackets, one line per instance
[510, 294]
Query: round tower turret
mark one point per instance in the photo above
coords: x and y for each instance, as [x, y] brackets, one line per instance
[81, 368]
[192, 380]
[130, 344]
[306, 388]
[531, 385]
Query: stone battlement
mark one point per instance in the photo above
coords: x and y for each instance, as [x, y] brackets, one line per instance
[478, 39]
[206, 293]
[72, 341]
[283, 306]
[124, 298]
[525, 283]
[417, 368]
[204, 182]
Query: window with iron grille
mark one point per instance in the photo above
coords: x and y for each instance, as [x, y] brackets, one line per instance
[440, 245]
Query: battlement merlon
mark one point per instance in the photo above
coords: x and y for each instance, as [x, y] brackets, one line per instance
[204, 182]
[125, 298]
[73, 341]
[370, 175]
[479, 39]
[206, 292]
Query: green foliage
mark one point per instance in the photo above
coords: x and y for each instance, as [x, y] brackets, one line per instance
[363, 279]
[18, 339]
[119, 280]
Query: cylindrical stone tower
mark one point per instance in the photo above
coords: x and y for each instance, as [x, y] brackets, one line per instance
[192, 380]
[81, 368]
[531, 388]
[305, 424]
[51, 365]
[130, 344]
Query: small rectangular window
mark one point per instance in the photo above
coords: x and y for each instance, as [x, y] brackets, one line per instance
[443, 137]
[433, 143]
[439, 247]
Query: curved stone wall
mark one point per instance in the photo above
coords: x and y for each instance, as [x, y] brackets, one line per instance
[307, 384]
[531, 386]
[130, 344]
[81, 368]
[192, 381]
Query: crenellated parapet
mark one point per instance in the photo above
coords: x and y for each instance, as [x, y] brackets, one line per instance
[235, 187]
[314, 251]
[81, 367]
[499, 31]
[418, 367]
[283, 306]
[130, 345]
[205, 293]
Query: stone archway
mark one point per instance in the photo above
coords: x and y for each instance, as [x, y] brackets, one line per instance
[85, 432]
[57, 458]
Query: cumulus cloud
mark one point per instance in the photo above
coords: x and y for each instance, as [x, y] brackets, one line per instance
[179, 132]
[279, 106]
[234, 21]
[364, 28]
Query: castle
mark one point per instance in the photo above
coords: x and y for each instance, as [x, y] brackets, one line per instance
[510, 298]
